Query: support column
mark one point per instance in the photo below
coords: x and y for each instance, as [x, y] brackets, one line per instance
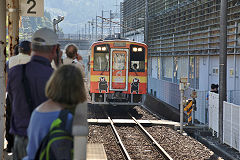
[222, 65]
[2, 72]
[13, 24]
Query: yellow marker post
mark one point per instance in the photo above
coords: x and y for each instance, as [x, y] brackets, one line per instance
[189, 109]
[189, 104]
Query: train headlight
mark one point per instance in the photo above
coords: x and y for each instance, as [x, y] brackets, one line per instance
[135, 49]
[99, 48]
[104, 48]
[140, 49]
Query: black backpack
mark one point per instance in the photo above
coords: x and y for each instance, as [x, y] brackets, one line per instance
[58, 143]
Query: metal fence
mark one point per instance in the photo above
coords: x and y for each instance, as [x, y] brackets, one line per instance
[75, 36]
[201, 113]
[169, 93]
[231, 118]
[79, 37]
[234, 96]
[231, 125]
[165, 91]
[213, 111]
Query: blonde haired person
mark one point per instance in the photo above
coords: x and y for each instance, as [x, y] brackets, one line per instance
[65, 89]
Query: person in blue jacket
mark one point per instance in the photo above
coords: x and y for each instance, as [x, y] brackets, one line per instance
[64, 90]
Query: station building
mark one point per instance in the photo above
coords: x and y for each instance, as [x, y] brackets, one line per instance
[183, 40]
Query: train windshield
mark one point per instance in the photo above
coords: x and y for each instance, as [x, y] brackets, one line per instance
[101, 62]
[137, 59]
[101, 58]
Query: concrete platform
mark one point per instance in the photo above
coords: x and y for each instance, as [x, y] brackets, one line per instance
[96, 152]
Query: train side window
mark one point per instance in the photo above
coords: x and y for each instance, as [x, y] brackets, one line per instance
[137, 59]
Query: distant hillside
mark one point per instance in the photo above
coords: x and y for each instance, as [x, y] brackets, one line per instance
[77, 13]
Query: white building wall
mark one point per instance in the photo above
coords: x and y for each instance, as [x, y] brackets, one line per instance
[230, 75]
[210, 66]
[237, 72]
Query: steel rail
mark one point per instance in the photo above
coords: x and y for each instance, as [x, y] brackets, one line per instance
[119, 139]
[165, 154]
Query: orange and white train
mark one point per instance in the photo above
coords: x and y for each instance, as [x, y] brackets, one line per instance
[118, 72]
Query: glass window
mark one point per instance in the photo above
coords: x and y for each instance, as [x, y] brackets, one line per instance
[183, 67]
[194, 72]
[101, 62]
[154, 67]
[137, 59]
[119, 61]
[159, 68]
[167, 68]
[137, 66]
[175, 70]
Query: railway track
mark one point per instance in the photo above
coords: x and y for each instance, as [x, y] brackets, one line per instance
[144, 136]
[138, 135]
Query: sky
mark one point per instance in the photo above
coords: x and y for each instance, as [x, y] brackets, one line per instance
[77, 13]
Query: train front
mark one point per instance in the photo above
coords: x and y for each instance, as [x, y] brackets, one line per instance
[118, 73]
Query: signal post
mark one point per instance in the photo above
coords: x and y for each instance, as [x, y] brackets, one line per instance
[194, 105]
[182, 87]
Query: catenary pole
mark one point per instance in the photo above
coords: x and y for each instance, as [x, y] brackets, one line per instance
[146, 23]
[13, 24]
[222, 65]
[92, 27]
[102, 26]
[110, 29]
[2, 72]
[96, 27]
[121, 21]
[85, 31]
[89, 29]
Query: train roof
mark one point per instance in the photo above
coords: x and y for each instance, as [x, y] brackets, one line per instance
[117, 39]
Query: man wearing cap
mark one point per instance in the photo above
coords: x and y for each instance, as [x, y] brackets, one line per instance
[24, 98]
[23, 57]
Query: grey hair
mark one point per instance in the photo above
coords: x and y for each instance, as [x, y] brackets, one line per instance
[41, 48]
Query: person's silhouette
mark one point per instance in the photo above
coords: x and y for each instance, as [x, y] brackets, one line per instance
[135, 67]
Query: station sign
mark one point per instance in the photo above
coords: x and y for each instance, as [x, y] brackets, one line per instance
[32, 8]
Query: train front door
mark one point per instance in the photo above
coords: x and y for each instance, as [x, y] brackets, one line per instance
[119, 70]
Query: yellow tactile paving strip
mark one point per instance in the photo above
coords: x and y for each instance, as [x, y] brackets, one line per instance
[96, 152]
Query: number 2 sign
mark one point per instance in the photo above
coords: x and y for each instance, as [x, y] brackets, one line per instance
[33, 8]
